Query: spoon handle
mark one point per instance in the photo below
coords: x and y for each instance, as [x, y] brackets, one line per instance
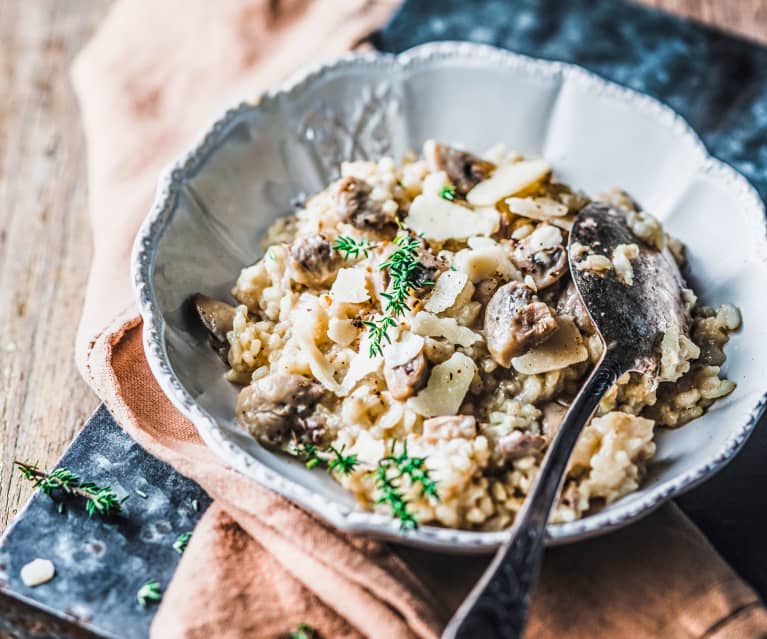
[497, 606]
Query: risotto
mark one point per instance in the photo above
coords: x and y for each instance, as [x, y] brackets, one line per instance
[414, 329]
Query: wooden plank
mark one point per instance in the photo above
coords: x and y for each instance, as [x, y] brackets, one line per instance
[44, 238]
[44, 235]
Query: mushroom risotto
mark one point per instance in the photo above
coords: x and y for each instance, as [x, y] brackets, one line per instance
[414, 329]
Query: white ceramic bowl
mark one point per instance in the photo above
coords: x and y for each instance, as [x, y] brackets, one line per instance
[213, 205]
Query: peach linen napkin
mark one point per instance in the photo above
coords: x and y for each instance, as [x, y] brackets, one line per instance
[257, 565]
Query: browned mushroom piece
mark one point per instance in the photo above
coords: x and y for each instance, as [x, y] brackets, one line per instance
[518, 444]
[465, 170]
[571, 305]
[314, 260]
[217, 317]
[426, 271]
[354, 206]
[279, 408]
[406, 380]
[516, 321]
[545, 267]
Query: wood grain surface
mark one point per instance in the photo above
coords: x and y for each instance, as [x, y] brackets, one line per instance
[45, 243]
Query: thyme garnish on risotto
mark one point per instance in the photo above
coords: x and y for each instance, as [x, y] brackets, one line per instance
[333, 458]
[99, 500]
[352, 247]
[392, 472]
[403, 267]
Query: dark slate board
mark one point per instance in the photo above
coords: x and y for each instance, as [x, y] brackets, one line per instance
[718, 82]
[100, 564]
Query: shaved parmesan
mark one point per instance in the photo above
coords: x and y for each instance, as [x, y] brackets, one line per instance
[446, 290]
[360, 367]
[432, 326]
[307, 318]
[350, 286]
[448, 384]
[508, 180]
[565, 223]
[342, 331]
[563, 348]
[539, 208]
[544, 238]
[486, 261]
[441, 220]
[401, 352]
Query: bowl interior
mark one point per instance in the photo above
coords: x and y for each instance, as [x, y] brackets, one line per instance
[261, 159]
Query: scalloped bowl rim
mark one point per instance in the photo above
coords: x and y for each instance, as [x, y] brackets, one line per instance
[374, 524]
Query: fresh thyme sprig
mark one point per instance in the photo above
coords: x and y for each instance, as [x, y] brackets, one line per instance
[403, 267]
[379, 331]
[352, 247]
[394, 475]
[150, 591]
[447, 193]
[332, 457]
[181, 542]
[392, 472]
[99, 500]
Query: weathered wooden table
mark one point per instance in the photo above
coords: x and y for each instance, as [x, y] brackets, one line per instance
[45, 243]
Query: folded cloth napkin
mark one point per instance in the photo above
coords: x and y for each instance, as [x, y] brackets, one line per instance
[257, 565]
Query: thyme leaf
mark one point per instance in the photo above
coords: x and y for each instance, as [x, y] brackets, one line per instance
[150, 591]
[447, 193]
[181, 542]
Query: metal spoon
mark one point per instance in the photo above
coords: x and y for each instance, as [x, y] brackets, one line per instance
[631, 321]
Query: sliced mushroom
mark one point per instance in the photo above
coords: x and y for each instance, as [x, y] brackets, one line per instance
[465, 170]
[354, 206]
[518, 444]
[571, 305]
[314, 260]
[485, 289]
[516, 321]
[407, 379]
[545, 264]
[449, 427]
[217, 317]
[278, 408]
[425, 273]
